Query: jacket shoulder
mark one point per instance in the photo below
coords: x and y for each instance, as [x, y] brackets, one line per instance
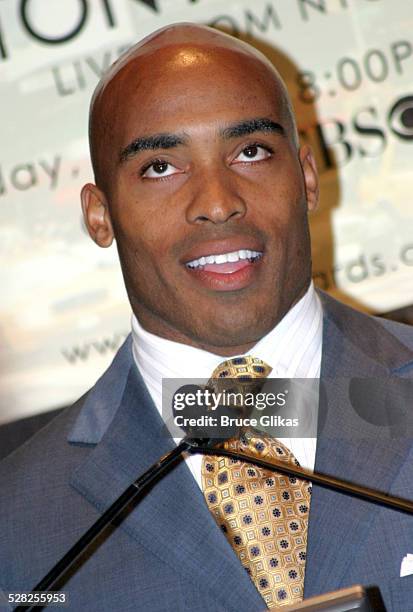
[342, 313]
[46, 452]
[380, 340]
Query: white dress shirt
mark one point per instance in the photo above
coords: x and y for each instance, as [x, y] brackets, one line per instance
[292, 349]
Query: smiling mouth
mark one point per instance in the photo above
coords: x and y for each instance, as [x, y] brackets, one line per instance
[225, 263]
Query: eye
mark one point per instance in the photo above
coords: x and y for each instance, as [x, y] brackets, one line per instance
[253, 153]
[158, 168]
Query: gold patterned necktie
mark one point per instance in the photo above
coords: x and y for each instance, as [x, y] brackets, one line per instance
[263, 514]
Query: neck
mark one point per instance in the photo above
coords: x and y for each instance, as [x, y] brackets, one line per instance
[164, 331]
[153, 324]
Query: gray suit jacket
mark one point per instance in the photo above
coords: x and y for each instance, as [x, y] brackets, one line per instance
[169, 554]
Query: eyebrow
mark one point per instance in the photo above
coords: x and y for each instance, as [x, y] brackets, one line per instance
[169, 141]
[145, 143]
[249, 126]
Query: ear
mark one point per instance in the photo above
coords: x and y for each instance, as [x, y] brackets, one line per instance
[310, 174]
[96, 215]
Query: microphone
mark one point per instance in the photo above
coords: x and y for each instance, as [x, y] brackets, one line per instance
[199, 412]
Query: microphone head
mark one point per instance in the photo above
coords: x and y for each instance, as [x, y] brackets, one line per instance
[202, 412]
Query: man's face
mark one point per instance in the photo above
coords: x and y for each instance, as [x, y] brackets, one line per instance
[209, 202]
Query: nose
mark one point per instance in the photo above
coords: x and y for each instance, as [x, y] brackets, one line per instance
[215, 198]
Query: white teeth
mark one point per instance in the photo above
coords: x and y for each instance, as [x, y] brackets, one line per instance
[224, 258]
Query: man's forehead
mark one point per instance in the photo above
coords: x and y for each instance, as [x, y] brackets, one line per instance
[191, 42]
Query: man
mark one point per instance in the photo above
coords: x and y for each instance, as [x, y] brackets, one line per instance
[200, 179]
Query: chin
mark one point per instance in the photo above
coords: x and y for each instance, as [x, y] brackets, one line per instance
[235, 332]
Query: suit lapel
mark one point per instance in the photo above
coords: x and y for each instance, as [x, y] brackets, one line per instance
[348, 446]
[172, 521]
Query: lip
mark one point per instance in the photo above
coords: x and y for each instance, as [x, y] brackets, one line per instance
[218, 247]
[233, 281]
[224, 282]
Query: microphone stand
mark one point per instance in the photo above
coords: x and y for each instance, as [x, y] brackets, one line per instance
[135, 492]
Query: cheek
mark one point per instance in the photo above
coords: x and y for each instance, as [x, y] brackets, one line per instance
[135, 230]
[279, 194]
[146, 220]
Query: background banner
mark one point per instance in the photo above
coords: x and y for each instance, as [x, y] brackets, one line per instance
[348, 66]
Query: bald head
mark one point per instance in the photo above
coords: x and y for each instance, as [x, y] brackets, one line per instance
[180, 50]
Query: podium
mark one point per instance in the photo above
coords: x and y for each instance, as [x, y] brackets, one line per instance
[352, 599]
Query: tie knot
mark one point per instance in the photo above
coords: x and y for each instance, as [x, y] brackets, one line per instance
[242, 367]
